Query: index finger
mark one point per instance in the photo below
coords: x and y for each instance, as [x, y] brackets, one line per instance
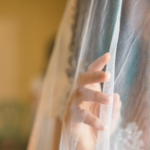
[99, 63]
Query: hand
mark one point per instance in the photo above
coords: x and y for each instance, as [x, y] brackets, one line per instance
[85, 103]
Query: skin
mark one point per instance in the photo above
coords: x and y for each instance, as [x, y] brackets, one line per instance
[86, 100]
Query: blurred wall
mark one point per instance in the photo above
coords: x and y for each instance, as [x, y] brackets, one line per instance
[26, 28]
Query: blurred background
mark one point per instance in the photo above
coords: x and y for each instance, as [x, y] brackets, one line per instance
[27, 34]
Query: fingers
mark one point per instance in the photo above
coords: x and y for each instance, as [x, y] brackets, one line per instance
[93, 121]
[96, 123]
[93, 77]
[116, 102]
[99, 64]
[84, 94]
[116, 107]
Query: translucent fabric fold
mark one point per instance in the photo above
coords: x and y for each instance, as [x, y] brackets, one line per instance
[89, 29]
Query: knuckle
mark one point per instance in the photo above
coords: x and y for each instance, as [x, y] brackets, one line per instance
[74, 101]
[77, 99]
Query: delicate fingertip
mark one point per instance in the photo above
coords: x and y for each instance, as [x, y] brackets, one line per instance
[106, 58]
[103, 127]
[106, 76]
[117, 96]
[107, 55]
[107, 73]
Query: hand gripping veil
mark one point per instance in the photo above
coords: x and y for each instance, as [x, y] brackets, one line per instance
[89, 29]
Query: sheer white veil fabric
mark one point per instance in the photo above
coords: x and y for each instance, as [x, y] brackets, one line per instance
[89, 29]
[56, 85]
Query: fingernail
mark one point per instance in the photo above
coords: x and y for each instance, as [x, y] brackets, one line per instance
[107, 73]
[103, 127]
[108, 97]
